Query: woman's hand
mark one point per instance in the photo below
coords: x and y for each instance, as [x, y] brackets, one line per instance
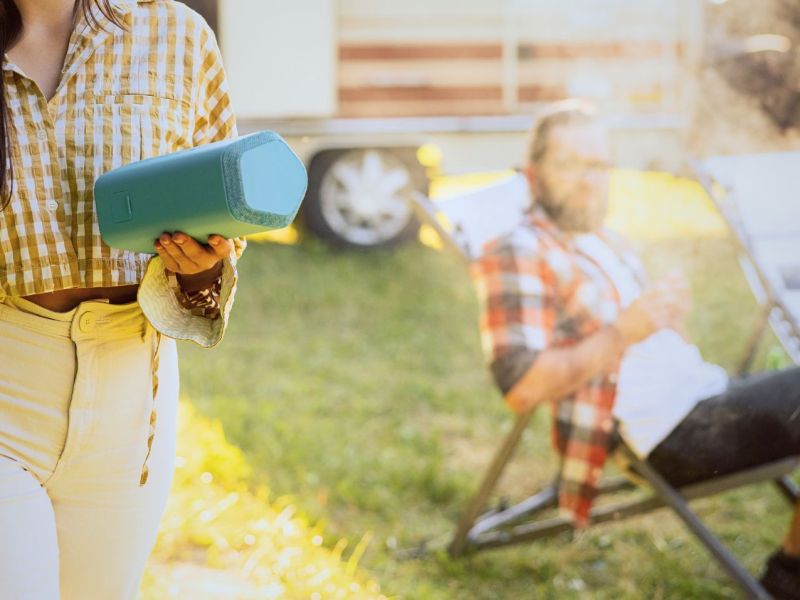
[197, 265]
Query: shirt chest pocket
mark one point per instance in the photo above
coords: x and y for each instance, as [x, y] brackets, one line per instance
[124, 128]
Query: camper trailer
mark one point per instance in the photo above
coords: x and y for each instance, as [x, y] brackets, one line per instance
[372, 93]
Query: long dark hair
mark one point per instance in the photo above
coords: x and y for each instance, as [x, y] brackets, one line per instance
[10, 28]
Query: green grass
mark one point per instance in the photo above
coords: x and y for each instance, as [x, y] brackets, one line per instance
[223, 538]
[354, 383]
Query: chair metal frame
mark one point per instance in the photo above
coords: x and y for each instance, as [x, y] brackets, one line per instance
[483, 528]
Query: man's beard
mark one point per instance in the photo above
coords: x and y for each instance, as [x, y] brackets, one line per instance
[569, 216]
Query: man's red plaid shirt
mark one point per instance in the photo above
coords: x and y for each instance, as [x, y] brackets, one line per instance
[538, 290]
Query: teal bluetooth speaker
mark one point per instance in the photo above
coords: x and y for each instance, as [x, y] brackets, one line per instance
[231, 188]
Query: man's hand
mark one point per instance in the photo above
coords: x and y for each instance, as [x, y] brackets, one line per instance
[197, 265]
[665, 305]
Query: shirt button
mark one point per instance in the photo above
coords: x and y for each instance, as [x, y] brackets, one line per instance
[51, 205]
[87, 322]
[41, 135]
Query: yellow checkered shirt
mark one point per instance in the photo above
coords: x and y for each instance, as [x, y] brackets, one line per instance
[153, 87]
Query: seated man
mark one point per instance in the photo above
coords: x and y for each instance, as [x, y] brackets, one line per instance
[568, 321]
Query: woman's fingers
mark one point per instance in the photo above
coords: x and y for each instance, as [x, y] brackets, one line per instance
[169, 262]
[197, 254]
[175, 251]
[183, 254]
[220, 246]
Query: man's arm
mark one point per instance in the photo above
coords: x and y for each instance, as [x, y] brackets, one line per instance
[560, 372]
[557, 373]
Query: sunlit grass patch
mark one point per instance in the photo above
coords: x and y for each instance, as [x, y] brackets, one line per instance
[459, 184]
[248, 544]
[287, 235]
[657, 206]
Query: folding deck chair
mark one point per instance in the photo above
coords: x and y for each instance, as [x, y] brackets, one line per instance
[757, 195]
[465, 223]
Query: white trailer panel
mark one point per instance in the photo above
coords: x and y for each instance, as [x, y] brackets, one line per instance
[280, 57]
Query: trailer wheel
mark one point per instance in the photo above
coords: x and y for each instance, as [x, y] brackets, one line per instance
[359, 198]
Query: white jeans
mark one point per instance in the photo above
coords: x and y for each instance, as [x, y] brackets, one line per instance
[76, 405]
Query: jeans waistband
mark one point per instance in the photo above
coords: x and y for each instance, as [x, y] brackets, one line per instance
[90, 319]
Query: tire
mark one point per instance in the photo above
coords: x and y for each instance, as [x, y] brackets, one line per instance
[358, 198]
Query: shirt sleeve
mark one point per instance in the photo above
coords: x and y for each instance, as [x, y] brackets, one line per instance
[518, 311]
[214, 117]
[214, 121]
